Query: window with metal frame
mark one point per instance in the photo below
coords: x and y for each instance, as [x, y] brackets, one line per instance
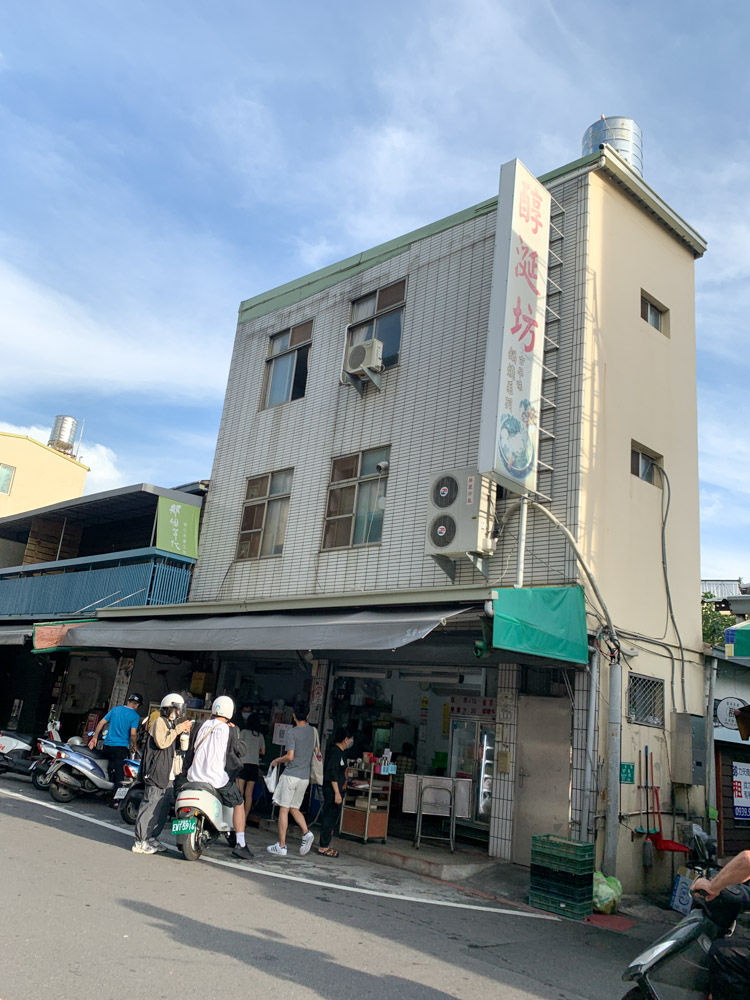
[646, 700]
[286, 371]
[356, 499]
[380, 315]
[6, 478]
[264, 515]
[654, 314]
[644, 464]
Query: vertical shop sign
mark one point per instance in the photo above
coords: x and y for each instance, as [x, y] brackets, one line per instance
[741, 790]
[177, 527]
[511, 397]
[122, 681]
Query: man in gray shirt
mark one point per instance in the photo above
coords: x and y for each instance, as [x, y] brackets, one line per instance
[290, 790]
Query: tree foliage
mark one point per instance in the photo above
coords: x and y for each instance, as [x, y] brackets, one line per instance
[714, 621]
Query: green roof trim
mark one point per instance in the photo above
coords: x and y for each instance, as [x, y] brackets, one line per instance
[579, 164]
[294, 291]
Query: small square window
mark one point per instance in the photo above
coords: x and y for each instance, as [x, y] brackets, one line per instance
[654, 314]
[264, 515]
[286, 371]
[646, 700]
[356, 499]
[645, 464]
[6, 478]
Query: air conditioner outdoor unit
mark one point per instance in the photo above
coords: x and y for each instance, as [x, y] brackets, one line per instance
[366, 355]
[460, 514]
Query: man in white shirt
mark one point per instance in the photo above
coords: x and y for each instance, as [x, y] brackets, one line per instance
[209, 766]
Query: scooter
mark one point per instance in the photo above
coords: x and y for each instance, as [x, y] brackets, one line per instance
[77, 770]
[705, 922]
[130, 801]
[200, 817]
[17, 749]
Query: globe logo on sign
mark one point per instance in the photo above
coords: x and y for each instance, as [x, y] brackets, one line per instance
[441, 530]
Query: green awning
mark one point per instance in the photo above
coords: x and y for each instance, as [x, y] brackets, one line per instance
[542, 621]
[737, 640]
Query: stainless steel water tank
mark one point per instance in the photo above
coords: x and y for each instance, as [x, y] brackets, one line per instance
[623, 134]
[63, 435]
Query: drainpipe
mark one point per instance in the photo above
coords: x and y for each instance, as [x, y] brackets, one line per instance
[523, 516]
[713, 666]
[612, 809]
[591, 749]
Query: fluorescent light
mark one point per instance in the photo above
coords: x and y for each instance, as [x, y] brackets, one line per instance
[375, 675]
[431, 678]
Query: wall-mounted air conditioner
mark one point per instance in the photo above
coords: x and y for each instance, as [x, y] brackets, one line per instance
[460, 514]
[364, 358]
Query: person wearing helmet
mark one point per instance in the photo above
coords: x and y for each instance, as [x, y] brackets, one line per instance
[216, 754]
[121, 738]
[158, 770]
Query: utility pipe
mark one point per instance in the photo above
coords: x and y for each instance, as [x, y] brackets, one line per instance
[588, 770]
[521, 554]
[713, 666]
[612, 805]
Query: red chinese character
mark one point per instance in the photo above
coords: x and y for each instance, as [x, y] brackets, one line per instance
[526, 324]
[529, 205]
[527, 266]
[737, 789]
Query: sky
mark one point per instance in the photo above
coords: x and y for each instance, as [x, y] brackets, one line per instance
[161, 162]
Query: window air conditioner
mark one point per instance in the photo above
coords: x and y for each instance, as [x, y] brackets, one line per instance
[460, 514]
[366, 355]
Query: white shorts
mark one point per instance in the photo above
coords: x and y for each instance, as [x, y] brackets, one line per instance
[290, 791]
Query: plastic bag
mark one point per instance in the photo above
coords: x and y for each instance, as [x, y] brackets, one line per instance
[271, 779]
[607, 893]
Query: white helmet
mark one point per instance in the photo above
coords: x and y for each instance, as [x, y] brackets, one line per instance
[223, 706]
[75, 741]
[173, 701]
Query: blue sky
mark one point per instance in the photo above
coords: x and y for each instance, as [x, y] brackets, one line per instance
[163, 161]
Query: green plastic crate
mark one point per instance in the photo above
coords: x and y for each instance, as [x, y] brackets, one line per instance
[564, 893]
[560, 864]
[562, 847]
[545, 901]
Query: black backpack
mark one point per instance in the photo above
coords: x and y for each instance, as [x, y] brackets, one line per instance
[236, 751]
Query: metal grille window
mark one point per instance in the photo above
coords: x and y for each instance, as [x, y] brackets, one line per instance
[286, 377]
[356, 499]
[646, 701]
[380, 315]
[264, 515]
[6, 478]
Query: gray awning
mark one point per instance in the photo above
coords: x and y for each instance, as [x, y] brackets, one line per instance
[15, 636]
[323, 630]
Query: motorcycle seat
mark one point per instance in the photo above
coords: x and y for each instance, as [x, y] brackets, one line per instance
[197, 786]
[95, 754]
[23, 737]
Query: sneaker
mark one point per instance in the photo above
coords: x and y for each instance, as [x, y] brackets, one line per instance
[231, 839]
[277, 849]
[244, 852]
[158, 846]
[307, 842]
[143, 847]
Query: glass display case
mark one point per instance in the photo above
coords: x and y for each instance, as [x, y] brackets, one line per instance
[472, 755]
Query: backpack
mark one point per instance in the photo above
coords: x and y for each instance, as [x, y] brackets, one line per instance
[236, 751]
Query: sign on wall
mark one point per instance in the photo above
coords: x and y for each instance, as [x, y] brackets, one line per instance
[177, 527]
[511, 397]
[741, 790]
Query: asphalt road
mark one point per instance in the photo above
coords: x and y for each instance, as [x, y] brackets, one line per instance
[82, 916]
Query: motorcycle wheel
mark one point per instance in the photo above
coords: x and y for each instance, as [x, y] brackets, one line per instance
[130, 806]
[62, 793]
[192, 845]
[40, 780]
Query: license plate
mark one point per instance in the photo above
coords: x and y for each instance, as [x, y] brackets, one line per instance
[183, 825]
[120, 794]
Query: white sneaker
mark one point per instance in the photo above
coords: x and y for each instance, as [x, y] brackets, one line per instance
[307, 842]
[143, 847]
[277, 849]
[158, 846]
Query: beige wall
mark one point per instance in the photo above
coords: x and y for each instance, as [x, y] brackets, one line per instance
[42, 475]
[640, 385]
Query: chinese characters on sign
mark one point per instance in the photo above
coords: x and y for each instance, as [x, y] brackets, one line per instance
[741, 790]
[474, 707]
[509, 432]
[177, 527]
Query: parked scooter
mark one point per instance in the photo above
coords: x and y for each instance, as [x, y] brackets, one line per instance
[17, 750]
[132, 798]
[200, 817]
[705, 922]
[77, 770]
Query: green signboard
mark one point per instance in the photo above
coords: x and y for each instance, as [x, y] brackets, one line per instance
[177, 527]
[627, 773]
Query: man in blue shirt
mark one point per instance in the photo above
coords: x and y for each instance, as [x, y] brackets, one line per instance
[121, 736]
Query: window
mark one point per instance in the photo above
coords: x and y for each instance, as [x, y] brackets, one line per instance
[380, 315]
[264, 515]
[655, 314]
[356, 499]
[644, 464]
[646, 701]
[6, 477]
[286, 376]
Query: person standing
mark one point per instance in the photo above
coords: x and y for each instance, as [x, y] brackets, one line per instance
[208, 755]
[121, 738]
[255, 748]
[290, 790]
[334, 779]
[158, 771]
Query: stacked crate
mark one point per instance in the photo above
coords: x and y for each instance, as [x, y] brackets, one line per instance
[562, 876]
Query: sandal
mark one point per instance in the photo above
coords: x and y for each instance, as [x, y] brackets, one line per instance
[328, 852]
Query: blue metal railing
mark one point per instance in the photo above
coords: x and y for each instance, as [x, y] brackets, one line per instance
[118, 579]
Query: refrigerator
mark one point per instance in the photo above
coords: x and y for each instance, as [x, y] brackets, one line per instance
[472, 755]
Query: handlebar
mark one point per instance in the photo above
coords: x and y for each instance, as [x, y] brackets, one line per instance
[724, 909]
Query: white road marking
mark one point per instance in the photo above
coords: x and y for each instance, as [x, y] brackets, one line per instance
[244, 867]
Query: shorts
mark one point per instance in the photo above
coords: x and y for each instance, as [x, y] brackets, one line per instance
[249, 772]
[290, 791]
[230, 794]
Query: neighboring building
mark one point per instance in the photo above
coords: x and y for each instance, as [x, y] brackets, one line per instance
[728, 752]
[33, 474]
[130, 546]
[723, 588]
[335, 458]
